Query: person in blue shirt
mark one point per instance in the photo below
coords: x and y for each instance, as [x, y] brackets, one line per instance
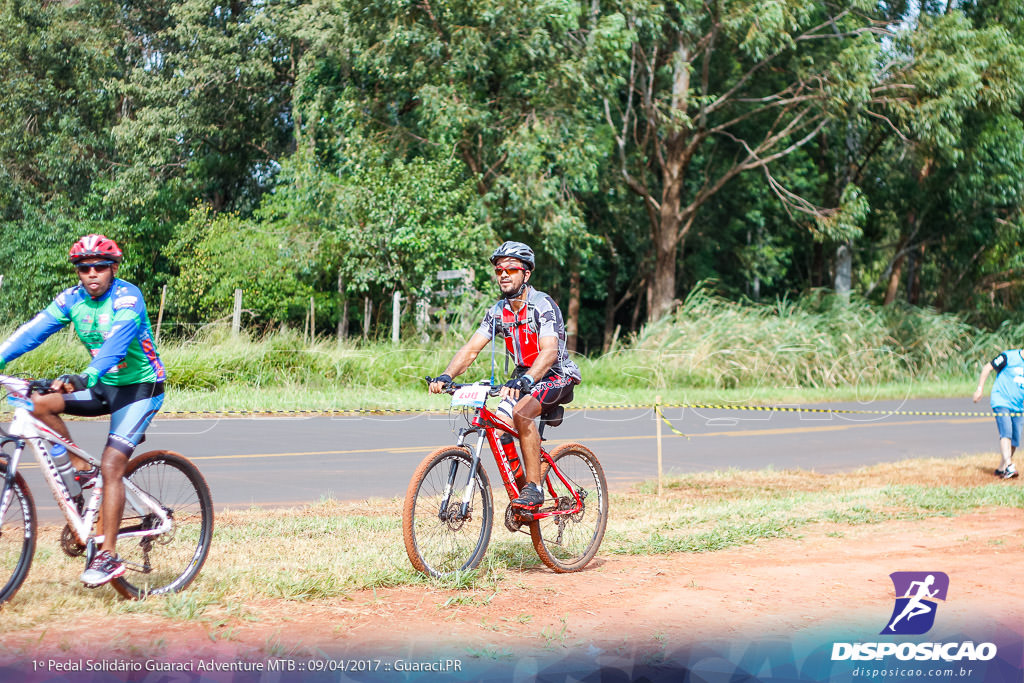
[1007, 403]
[124, 379]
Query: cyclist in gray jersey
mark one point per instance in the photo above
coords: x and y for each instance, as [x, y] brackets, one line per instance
[531, 325]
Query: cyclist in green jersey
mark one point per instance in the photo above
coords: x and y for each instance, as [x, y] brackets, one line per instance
[124, 380]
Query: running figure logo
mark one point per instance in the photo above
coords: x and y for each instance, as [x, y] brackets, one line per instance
[916, 595]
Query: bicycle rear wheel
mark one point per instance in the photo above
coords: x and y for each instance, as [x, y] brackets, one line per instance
[567, 543]
[439, 539]
[17, 537]
[169, 562]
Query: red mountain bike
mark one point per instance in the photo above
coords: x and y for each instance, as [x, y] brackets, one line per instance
[449, 507]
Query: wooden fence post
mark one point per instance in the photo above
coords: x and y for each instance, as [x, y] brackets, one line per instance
[367, 312]
[160, 316]
[396, 316]
[657, 419]
[236, 315]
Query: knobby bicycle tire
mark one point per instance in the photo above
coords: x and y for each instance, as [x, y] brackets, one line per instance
[567, 543]
[17, 537]
[442, 542]
[169, 562]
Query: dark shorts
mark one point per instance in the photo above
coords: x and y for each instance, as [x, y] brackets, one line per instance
[1009, 425]
[553, 391]
[131, 409]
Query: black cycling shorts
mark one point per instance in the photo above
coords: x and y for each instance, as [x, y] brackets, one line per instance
[131, 409]
[553, 390]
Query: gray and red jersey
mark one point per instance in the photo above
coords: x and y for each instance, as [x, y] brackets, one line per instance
[522, 331]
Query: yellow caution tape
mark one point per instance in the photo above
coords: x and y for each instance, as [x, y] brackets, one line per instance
[657, 409]
[621, 406]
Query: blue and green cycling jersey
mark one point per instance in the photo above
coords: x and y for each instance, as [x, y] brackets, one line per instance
[114, 328]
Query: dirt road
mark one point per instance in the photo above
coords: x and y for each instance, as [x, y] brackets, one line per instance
[636, 614]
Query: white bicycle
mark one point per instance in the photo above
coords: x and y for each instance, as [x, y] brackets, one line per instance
[167, 527]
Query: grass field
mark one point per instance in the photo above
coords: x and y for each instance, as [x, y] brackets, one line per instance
[329, 550]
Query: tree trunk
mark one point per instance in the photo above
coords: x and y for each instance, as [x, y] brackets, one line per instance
[844, 270]
[572, 323]
[914, 278]
[895, 274]
[367, 313]
[635, 318]
[343, 318]
[894, 281]
[662, 289]
[609, 297]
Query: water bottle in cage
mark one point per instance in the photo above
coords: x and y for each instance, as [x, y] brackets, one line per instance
[67, 471]
[508, 444]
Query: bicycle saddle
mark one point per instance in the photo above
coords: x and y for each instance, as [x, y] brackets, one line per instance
[552, 417]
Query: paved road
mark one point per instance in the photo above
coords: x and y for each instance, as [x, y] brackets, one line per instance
[294, 461]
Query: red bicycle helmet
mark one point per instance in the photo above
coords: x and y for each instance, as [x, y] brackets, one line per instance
[95, 246]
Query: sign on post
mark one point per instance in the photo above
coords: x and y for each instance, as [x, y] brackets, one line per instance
[460, 274]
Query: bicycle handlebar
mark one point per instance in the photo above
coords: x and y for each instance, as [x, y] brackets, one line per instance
[451, 387]
[41, 386]
[19, 386]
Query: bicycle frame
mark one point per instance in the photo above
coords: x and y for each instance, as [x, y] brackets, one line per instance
[485, 423]
[26, 430]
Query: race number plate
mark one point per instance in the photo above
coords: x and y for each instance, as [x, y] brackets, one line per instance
[473, 396]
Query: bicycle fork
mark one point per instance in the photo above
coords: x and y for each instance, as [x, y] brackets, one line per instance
[467, 496]
[8, 480]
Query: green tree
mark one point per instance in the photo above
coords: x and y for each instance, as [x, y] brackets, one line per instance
[946, 191]
[378, 229]
[219, 253]
[499, 84]
[208, 104]
[55, 116]
[710, 90]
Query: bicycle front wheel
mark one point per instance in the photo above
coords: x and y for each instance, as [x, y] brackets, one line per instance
[566, 543]
[17, 537]
[440, 539]
[168, 562]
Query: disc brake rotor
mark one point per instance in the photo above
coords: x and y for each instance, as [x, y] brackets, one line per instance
[454, 517]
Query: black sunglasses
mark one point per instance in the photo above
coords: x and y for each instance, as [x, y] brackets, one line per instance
[98, 267]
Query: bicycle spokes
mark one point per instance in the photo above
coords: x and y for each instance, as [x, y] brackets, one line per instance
[567, 537]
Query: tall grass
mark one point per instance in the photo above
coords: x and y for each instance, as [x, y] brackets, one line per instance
[818, 343]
